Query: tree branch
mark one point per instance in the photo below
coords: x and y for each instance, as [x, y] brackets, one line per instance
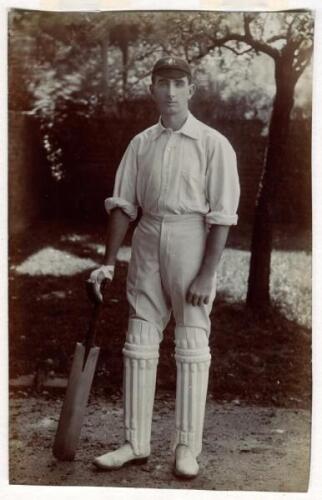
[275, 38]
[236, 51]
[289, 29]
[257, 45]
[247, 20]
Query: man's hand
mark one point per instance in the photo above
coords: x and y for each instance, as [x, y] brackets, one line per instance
[200, 290]
[97, 279]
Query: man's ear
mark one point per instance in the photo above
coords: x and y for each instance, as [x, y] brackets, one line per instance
[151, 88]
[192, 89]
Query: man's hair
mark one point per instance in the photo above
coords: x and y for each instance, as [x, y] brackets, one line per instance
[153, 76]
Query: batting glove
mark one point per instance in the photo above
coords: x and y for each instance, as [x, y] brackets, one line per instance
[96, 279]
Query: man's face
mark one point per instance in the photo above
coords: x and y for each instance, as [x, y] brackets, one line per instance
[172, 94]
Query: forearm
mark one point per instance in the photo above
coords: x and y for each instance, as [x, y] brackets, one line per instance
[117, 227]
[216, 241]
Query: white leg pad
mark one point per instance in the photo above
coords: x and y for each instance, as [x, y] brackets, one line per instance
[140, 354]
[193, 360]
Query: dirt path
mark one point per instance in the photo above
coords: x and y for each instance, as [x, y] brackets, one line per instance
[245, 448]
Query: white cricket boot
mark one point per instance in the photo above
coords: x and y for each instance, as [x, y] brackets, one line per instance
[186, 465]
[114, 460]
[193, 360]
[140, 357]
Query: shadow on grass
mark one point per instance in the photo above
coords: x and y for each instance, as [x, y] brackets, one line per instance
[260, 356]
[257, 357]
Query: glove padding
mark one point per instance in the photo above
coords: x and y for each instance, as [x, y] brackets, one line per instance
[98, 278]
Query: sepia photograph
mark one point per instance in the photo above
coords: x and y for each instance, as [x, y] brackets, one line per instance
[160, 249]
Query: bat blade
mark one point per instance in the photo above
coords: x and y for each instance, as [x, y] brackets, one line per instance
[75, 402]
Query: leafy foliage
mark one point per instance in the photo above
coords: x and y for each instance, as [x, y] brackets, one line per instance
[88, 57]
[88, 63]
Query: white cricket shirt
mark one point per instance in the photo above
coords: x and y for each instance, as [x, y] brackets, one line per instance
[190, 170]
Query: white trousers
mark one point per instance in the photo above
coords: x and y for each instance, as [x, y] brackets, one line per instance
[166, 256]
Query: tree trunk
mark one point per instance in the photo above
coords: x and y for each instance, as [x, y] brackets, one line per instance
[261, 246]
[258, 294]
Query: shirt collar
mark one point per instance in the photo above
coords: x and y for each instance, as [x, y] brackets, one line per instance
[189, 128]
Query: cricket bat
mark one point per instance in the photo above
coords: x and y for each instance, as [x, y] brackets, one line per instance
[77, 392]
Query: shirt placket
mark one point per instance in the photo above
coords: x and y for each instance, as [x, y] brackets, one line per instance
[167, 166]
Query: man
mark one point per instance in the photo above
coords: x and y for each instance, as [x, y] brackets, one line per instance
[183, 175]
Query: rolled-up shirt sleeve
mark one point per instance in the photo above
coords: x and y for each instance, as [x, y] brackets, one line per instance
[223, 189]
[124, 193]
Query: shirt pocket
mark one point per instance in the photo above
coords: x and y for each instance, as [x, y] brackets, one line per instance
[192, 184]
[191, 177]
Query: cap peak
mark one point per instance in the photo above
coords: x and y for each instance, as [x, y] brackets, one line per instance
[172, 63]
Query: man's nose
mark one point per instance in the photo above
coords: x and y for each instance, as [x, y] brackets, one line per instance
[171, 89]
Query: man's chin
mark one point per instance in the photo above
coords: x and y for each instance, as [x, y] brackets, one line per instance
[170, 110]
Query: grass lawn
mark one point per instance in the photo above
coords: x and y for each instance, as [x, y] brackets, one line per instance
[262, 358]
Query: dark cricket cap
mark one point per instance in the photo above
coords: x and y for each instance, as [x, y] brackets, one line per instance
[171, 67]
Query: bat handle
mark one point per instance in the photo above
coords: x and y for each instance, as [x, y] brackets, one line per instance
[89, 340]
[91, 330]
